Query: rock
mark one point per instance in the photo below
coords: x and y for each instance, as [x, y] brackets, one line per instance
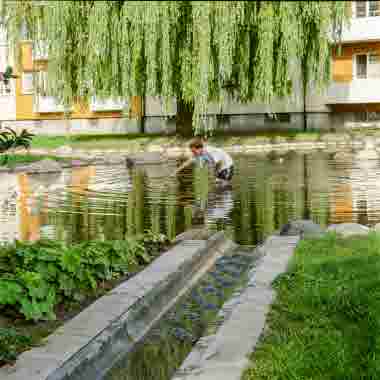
[349, 229]
[65, 149]
[376, 227]
[305, 228]
[44, 166]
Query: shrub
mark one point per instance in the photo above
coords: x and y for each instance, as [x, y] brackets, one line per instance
[11, 342]
[9, 139]
[35, 277]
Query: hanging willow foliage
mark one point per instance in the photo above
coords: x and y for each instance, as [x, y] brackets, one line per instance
[197, 51]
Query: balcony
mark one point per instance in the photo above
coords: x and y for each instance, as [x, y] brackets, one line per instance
[362, 29]
[48, 104]
[357, 91]
[99, 105]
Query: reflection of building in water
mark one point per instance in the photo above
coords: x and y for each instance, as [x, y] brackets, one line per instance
[24, 202]
[9, 219]
[356, 196]
[365, 183]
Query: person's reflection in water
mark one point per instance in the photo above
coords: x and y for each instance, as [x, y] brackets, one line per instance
[218, 208]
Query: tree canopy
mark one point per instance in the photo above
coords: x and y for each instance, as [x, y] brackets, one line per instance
[196, 51]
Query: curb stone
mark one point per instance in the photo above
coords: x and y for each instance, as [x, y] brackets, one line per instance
[113, 323]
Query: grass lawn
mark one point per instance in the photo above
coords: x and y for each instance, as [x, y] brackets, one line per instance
[12, 160]
[325, 323]
[139, 141]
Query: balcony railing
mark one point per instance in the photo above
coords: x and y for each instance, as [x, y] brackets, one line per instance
[40, 50]
[362, 29]
[355, 92]
[48, 104]
[97, 105]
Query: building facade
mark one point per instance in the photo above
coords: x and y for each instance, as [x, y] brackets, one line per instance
[7, 93]
[352, 99]
[354, 95]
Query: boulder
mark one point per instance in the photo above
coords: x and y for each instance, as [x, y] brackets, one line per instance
[376, 227]
[305, 228]
[349, 229]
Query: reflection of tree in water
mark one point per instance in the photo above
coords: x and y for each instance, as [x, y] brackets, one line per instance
[266, 193]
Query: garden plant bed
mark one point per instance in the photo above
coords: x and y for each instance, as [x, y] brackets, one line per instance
[325, 321]
[30, 274]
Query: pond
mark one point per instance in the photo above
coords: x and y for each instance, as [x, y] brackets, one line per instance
[108, 202]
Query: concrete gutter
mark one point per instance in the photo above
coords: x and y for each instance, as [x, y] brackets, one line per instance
[89, 344]
[224, 355]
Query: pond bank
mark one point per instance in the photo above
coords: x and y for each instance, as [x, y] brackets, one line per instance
[47, 283]
[107, 150]
[325, 320]
[94, 336]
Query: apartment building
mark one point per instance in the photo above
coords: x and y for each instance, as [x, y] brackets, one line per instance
[7, 93]
[352, 99]
[23, 105]
[354, 95]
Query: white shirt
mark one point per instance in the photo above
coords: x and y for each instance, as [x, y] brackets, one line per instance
[222, 208]
[219, 155]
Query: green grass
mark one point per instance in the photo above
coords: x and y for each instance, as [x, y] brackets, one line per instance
[12, 160]
[325, 323]
[140, 141]
[49, 142]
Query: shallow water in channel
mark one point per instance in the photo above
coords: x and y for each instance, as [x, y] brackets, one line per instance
[108, 202]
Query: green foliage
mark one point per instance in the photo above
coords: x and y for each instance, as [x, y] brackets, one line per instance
[325, 323]
[197, 51]
[11, 342]
[9, 139]
[35, 277]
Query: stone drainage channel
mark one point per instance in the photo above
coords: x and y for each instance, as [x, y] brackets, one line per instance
[194, 313]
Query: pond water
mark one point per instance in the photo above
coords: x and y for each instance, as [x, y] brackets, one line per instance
[267, 190]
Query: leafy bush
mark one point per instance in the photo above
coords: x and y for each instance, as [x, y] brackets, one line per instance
[9, 139]
[35, 277]
[11, 342]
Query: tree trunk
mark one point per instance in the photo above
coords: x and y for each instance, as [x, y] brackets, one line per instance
[184, 120]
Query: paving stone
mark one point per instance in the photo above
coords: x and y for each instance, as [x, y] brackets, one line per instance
[349, 229]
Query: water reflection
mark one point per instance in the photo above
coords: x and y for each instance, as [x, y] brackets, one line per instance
[267, 190]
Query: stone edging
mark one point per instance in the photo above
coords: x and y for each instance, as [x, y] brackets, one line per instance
[225, 354]
[178, 151]
[115, 322]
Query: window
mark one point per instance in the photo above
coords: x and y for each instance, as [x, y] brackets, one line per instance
[361, 66]
[366, 9]
[42, 83]
[366, 116]
[361, 9]
[27, 83]
[277, 117]
[373, 8]
[367, 65]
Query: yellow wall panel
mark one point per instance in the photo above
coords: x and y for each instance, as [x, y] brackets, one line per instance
[24, 103]
[26, 56]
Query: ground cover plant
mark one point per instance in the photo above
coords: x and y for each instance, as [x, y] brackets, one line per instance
[12, 160]
[325, 323]
[44, 283]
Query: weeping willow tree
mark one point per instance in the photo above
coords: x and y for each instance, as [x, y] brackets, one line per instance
[196, 51]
